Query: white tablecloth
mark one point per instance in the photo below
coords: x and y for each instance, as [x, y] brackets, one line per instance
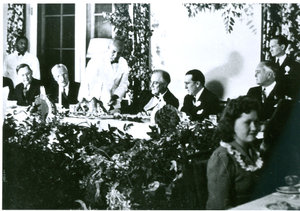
[262, 203]
[137, 130]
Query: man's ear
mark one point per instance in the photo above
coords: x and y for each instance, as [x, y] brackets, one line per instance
[283, 47]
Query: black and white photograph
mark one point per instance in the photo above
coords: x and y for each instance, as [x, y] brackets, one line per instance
[160, 105]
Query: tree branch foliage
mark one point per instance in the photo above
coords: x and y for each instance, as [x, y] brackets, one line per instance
[137, 33]
[230, 11]
[15, 24]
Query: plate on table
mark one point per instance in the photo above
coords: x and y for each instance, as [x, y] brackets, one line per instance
[106, 116]
[287, 189]
[77, 115]
[282, 205]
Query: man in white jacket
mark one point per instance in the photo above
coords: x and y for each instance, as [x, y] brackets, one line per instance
[106, 78]
[20, 56]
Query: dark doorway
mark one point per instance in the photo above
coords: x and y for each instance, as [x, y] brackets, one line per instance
[56, 39]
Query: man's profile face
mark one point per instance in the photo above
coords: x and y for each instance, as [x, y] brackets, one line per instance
[260, 75]
[191, 86]
[61, 77]
[276, 49]
[114, 52]
[25, 75]
[21, 46]
[157, 84]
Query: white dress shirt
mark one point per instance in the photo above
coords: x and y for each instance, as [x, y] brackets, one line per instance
[281, 59]
[13, 60]
[199, 94]
[61, 90]
[268, 89]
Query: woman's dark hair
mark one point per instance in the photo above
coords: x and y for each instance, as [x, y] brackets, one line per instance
[233, 110]
[167, 118]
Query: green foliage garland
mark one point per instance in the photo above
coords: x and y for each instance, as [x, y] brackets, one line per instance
[58, 165]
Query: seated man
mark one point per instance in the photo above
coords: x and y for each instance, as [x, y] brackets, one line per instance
[8, 82]
[64, 91]
[268, 93]
[28, 89]
[148, 100]
[21, 55]
[106, 78]
[199, 103]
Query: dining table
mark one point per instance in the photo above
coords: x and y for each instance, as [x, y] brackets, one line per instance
[137, 126]
[273, 201]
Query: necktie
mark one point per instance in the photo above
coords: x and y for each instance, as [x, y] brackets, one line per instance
[263, 95]
[114, 61]
[25, 90]
[64, 92]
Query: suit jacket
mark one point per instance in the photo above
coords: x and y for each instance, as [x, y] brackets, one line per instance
[209, 104]
[71, 98]
[289, 76]
[228, 184]
[139, 104]
[268, 107]
[8, 82]
[33, 91]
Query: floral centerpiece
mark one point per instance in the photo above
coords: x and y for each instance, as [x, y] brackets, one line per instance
[55, 165]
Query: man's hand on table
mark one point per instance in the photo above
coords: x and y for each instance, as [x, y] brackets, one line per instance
[142, 114]
[115, 112]
[91, 106]
[113, 100]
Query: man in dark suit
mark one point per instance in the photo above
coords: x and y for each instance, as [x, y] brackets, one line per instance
[8, 82]
[28, 89]
[150, 99]
[199, 103]
[63, 91]
[269, 92]
[289, 71]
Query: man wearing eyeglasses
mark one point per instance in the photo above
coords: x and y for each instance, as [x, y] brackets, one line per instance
[157, 96]
[26, 91]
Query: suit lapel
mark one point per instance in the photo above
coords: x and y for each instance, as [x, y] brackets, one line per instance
[202, 97]
[166, 96]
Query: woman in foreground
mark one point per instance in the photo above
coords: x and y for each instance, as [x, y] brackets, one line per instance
[232, 170]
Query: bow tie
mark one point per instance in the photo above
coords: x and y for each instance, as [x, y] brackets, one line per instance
[115, 61]
[19, 54]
